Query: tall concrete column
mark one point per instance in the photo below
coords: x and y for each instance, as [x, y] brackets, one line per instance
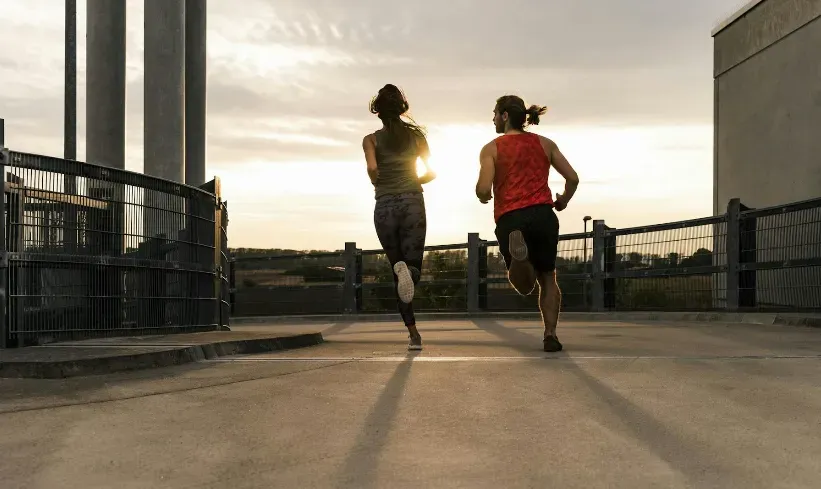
[164, 132]
[105, 82]
[105, 145]
[195, 84]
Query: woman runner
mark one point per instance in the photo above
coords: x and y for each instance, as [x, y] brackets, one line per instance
[399, 215]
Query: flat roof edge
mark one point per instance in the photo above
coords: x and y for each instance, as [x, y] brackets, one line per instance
[738, 14]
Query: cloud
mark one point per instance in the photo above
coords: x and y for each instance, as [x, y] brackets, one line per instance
[514, 34]
[590, 61]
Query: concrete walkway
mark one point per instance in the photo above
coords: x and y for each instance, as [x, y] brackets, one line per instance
[627, 405]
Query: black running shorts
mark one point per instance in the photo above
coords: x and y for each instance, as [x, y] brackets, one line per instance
[540, 227]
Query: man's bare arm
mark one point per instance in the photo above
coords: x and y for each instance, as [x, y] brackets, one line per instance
[560, 163]
[487, 171]
[369, 147]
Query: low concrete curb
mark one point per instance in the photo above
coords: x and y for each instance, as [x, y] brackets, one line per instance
[791, 319]
[114, 362]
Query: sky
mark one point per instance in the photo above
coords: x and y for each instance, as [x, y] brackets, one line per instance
[628, 86]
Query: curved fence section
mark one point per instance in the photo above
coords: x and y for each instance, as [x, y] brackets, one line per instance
[92, 251]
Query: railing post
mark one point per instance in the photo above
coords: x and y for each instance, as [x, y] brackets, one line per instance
[733, 252]
[225, 279]
[472, 286]
[598, 268]
[483, 275]
[219, 270]
[349, 302]
[609, 269]
[747, 251]
[358, 281]
[232, 284]
[4, 261]
[741, 249]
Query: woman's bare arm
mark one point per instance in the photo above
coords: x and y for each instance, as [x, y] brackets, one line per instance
[424, 153]
[369, 146]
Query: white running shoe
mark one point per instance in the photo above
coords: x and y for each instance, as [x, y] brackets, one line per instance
[517, 245]
[405, 287]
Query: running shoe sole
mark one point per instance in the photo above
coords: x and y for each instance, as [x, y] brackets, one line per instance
[405, 287]
[517, 245]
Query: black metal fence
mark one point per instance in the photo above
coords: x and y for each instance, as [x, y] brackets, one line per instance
[92, 251]
[745, 260]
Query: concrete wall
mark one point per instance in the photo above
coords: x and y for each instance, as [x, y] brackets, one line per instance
[768, 105]
[767, 74]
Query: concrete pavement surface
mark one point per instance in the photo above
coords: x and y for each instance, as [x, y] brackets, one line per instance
[626, 405]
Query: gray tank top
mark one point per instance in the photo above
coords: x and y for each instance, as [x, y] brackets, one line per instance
[397, 169]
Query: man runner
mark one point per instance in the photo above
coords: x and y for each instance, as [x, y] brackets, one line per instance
[514, 168]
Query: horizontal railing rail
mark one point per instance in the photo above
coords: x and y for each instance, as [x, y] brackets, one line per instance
[73, 168]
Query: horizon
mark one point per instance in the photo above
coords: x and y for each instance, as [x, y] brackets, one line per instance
[288, 88]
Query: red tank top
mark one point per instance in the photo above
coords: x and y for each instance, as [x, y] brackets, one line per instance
[521, 174]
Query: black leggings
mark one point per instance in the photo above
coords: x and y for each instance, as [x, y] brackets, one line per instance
[401, 224]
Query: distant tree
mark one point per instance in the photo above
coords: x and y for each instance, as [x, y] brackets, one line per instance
[701, 258]
[634, 260]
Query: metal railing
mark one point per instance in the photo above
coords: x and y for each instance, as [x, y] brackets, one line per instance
[92, 251]
[745, 260]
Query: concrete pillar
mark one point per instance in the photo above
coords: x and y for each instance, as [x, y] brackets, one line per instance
[195, 81]
[105, 144]
[164, 127]
[105, 82]
[164, 131]
[70, 95]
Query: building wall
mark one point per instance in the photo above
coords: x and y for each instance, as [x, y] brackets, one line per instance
[768, 105]
[767, 71]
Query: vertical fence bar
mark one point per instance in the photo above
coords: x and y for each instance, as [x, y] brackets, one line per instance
[747, 252]
[609, 269]
[474, 243]
[733, 253]
[483, 275]
[217, 260]
[4, 262]
[360, 304]
[225, 285]
[349, 288]
[598, 259]
[232, 285]
[14, 242]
